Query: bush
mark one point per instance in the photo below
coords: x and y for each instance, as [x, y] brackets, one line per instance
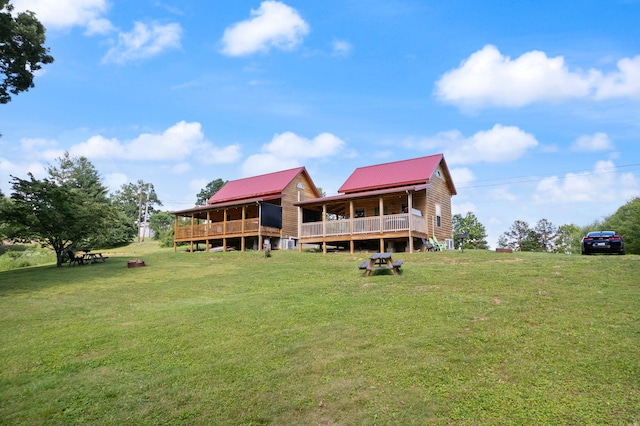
[18, 256]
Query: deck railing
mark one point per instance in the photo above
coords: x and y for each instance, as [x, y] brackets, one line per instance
[217, 229]
[364, 225]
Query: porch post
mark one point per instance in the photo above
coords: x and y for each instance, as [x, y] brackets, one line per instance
[299, 212]
[324, 220]
[207, 228]
[244, 218]
[410, 208]
[192, 219]
[324, 228]
[224, 230]
[381, 245]
[175, 234]
[351, 214]
[381, 210]
[259, 226]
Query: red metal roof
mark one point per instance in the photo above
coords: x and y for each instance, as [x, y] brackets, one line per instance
[256, 186]
[388, 175]
[356, 195]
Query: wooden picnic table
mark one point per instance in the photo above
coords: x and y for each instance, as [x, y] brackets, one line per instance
[381, 261]
[89, 258]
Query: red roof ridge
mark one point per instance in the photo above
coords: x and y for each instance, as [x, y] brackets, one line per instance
[255, 186]
[392, 174]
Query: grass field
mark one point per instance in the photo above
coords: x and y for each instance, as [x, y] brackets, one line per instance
[477, 338]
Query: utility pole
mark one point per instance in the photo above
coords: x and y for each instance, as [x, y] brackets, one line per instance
[146, 211]
[139, 214]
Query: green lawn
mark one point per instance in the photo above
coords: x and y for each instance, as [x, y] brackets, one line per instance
[303, 338]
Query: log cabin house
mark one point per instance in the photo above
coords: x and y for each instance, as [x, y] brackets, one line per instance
[246, 212]
[393, 207]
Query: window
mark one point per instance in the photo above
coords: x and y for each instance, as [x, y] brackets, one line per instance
[359, 212]
[376, 211]
[438, 216]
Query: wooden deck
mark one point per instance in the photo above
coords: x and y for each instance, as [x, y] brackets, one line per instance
[218, 230]
[370, 227]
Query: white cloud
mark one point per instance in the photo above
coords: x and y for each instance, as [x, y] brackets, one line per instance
[462, 175]
[502, 194]
[9, 168]
[489, 78]
[288, 150]
[62, 14]
[144, 41]
[274, 24]
[341, 48]
[497, 145]
[225, 155]
[593, 143]
[462, 208]
[622, 83]
[98, 147]
[177, 143]
[601, 184]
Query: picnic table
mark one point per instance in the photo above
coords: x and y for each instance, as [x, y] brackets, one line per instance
[89, 258]
[379, 262]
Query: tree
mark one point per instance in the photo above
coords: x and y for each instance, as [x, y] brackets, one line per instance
[55, 215]
[471, 226]
[161, 224]
[22, 50]
[78, 173]
[546, 233]
[626, 222]
[208, 191]
[567, 239]
[3, 225]
[519, 237]
[131, 198]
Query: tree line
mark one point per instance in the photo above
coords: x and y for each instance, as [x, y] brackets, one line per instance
[544, 236]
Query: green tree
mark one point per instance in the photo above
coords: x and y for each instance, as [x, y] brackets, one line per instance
[626, 222]
[54, 215]
[520, 236]
[475, 231]
[545, 232]
[79, 174]
[567, 239]
[131, 198]
[209, 190]
[22, 50]
[3, 225]
[161, 224]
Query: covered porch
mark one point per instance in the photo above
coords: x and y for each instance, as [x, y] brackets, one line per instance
[384, 220]
[239, 227]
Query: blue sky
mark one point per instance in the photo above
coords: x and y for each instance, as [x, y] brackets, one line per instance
[535, 105]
